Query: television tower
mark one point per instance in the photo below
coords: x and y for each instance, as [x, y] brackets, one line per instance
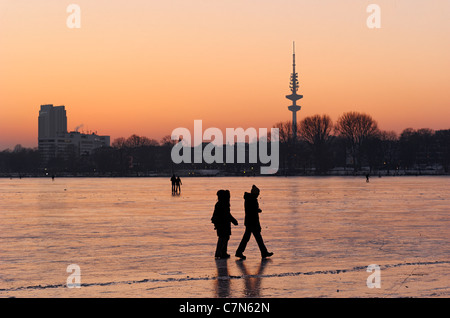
[294, 97]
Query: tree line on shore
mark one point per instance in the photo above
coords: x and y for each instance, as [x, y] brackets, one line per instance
[354, 142]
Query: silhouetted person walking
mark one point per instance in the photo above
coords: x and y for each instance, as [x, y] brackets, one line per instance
[222, 220]
[178, 184]
[173, 180]
[252, 224]
[367, 177]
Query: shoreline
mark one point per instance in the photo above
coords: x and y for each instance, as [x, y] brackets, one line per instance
[377, 174]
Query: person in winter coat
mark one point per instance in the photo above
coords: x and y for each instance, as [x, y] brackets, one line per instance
[178, 185]
[222, 220]
[252, 225]
[173, 180]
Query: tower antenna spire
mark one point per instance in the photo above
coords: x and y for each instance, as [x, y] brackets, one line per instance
[293, 56]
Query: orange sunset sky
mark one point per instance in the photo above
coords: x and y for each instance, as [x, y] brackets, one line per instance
[148, 67]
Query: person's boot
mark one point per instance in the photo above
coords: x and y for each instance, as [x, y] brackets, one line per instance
[268, 254]
[240, 255]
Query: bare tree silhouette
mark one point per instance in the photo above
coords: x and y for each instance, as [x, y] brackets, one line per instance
[356, 128]
[316, 132]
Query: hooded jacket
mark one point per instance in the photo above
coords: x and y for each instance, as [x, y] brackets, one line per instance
[252, 211]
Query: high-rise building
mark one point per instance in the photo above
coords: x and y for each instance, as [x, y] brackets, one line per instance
[52, 121]
[54, 140]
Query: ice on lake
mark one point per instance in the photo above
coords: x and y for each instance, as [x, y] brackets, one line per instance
[131, 238]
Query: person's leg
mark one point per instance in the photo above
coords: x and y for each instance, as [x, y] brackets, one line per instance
[260, 241]
[222, 246]
[218, 247]
[225, 247]
[244, 241]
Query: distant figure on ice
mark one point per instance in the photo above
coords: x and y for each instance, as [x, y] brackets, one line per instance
[173, 180]
[222, 220]
[178, 184]
[367, 177]
[252, 224]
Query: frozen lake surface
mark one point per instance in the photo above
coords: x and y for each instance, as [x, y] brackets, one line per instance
[131, 238]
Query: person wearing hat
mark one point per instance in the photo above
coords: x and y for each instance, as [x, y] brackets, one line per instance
[252, 225]
[222, 220]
